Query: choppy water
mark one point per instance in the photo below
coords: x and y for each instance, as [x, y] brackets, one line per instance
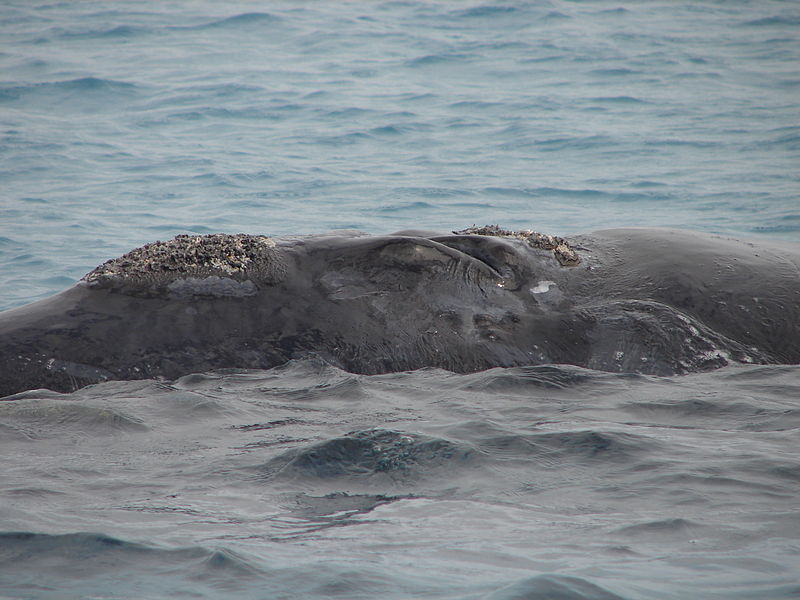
[310, 482]
[125, 122]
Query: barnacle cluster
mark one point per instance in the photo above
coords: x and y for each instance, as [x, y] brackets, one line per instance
[563, 252]
[238, 256]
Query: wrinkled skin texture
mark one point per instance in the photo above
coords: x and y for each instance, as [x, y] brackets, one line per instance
[641, 300]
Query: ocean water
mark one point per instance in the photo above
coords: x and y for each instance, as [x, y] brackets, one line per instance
[309, 482]
[126, 122]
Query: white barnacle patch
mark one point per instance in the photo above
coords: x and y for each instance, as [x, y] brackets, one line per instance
[714, 355]
[562, 251]
[542, 287]
[156, 265]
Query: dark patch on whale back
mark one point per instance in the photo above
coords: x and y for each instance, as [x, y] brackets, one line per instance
[194, 259]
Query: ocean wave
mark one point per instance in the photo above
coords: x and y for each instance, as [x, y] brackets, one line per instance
[350, 387]
[605, 446]
[363, 454]
[538, 454]
[88, 93]
[310, 516]
[663, 527]
[236, 22]
[338, 504]
[213, 113]
[773, 21]
[399, 129]
[561, 144]
[788, 139]
[618, 72]
[614, 11]
[302, 380]
[728, 413]
[619, 100]
[406, 206]
[575, 194]
[486, 11]
[788, 226]
[117, 32]
[524, 378]
[434, 192]
[679, 143]
[77, 565]
[552, 587]
[472, 105]
[44, 418]
[19, 544]
[439, 59]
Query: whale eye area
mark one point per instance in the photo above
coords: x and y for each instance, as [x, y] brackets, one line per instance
[495, 253]
[377, 266]
[413, 254]
[428, 255]
[404, 254]
[500, 255]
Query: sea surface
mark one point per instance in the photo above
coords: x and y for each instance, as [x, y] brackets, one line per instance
[125, 122]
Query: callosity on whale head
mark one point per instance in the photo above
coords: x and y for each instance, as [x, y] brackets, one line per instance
[640, 300]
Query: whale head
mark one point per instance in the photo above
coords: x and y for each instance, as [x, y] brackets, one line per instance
[649, 301]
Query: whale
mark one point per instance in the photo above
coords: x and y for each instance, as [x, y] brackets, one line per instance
[638, 300]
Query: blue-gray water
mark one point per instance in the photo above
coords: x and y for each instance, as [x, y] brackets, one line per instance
[127, 122]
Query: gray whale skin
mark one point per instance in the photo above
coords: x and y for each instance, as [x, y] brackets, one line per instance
[639, 300]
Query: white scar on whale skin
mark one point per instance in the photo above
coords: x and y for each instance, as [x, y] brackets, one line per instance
[542, 287]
